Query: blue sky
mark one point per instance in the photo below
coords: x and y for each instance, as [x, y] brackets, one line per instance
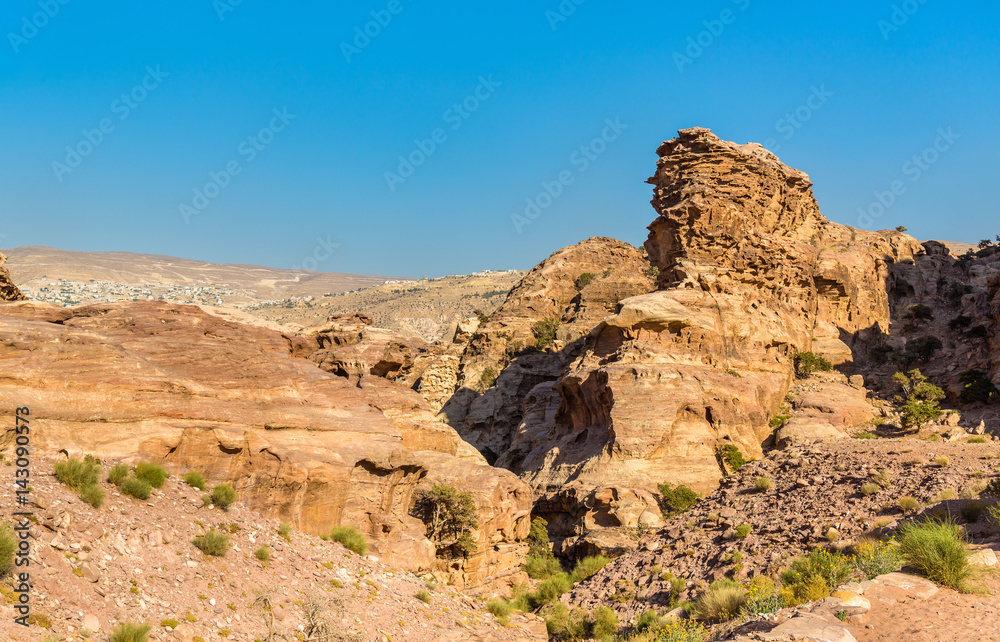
[293, 138]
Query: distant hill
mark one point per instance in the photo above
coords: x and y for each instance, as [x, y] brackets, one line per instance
[427, 309]
[67, 276]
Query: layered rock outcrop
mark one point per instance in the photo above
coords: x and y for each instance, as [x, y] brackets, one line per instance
[573, 290]
[749, 274]
[246, 405]
[8, 291]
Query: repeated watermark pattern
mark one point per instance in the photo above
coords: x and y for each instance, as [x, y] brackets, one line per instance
[324, 249]
[901, 14]
[225, 7]
[249, 149]
[32, 25]
[121, 108]
[913, 169]
[562, 12]
[789, 124]
[703, 40]
[454, 117]
[580, 160]
[365, 34]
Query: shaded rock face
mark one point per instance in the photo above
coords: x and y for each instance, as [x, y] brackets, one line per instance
[749, 273]
[8, 291]
[175, 385]
[576, 288]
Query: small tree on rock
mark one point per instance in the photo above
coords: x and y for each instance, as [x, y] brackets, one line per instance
[451, 518]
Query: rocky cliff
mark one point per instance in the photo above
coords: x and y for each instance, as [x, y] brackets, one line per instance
[8, 291]
[247, 406]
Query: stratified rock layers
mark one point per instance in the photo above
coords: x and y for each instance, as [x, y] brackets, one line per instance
[8, 291]
[245, 405]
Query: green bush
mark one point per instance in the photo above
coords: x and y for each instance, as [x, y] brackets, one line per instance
[868, 489]
[743, 530]
[118, 474]
[936, 548]
[129, 632]
[350, 538]
[538, 538]
[565, 625]
[424, 596]
[762, 484]
[263, 553]
[451, 517]
[807, 363]
[551, 589]
[732, 456]
[223, 496]
[763, 596]
[194, 479]
[723, 601]
[649, 621]
[545, 332]
[135, 487]
[285, 531]
[978, 388]
[920, 406]
[813, 576]
[873, 558]
[960, 322]
[677, 499]
[923, 348]
[213, 543]
[93, 495]
[8, 547]
[866, 434]
[501, 609]
[681, 631]
[587, 567]
[76, 474]
[920, 312]
[908, 503]
[976, 440]
[539, 567]
[584, 280]
[604, 623]
[151, 473]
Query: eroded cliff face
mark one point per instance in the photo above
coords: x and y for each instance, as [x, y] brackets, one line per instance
[246, 405]
[8, 291]
[749, 274]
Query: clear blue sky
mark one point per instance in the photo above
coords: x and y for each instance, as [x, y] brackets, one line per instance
[872, 89]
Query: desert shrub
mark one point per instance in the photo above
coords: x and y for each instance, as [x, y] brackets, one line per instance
[588, 567]
[945, 495]
[762, 596]
[923, 348]
[866, 434]
[285, 531]
[194, 479]
[545, 332]
[832, 534]
[779, 419]
[212, 543]
[920, 312]
[130, 632]
[604, 622]
[93, 495]
[743, 530]
[873, 558]
[551, 589]
[908, 503]
[682, 631]
[977, 440]
[960, 322]
[649, 621]
[942, 461]
[501, 609]
[135, 487]
[677, 499]
[465, 545]
[487, 379]
[263, 553]
[584, 280]
[920, 406]
[723, 601]
[868, 489]
[540, 567]
[936, 548]
[978, 388]
[424, 596]
[973, 510]
[151, 473]
[807, 363]
[732, 456]
[957, 291]
[813, 576]
[449, 515]
[762, 484]
[76, 473]
[566, 625]
[8, 547]
[223, 496]
[118, 474]
[351, 538]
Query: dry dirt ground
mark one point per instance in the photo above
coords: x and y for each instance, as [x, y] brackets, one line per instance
[134, 561]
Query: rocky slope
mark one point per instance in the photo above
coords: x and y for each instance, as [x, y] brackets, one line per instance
[246, 405]
[134, 561]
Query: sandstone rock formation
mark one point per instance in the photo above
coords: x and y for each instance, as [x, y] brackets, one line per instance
[8, 291]
[245, 405]
[574, 289]
[749, 274]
